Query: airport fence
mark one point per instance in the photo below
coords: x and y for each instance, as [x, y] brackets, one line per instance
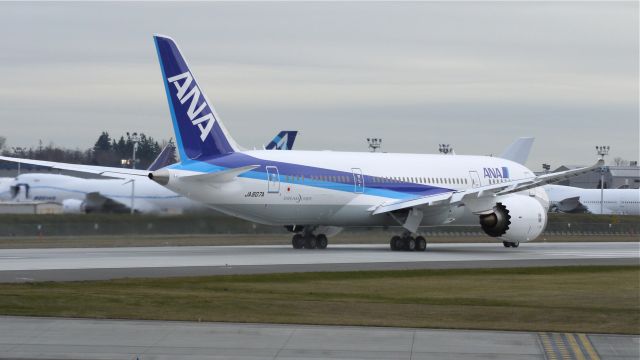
[122, 224]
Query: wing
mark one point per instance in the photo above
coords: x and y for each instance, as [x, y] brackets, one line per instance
[483, 192]
[405, 204]
[550, 178]
[115, 172]
[96, 201]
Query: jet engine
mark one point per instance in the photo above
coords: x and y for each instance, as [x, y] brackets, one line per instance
[73, 206]
[516, 218]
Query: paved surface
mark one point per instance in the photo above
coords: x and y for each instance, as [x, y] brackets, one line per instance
[106, 263]
[52, 338]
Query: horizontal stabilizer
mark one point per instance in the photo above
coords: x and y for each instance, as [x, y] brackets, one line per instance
[220, 176]
[115, 172]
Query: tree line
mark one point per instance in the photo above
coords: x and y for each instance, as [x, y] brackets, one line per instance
[107, 151]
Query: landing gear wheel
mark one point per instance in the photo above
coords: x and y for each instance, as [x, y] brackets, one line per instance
[396, 243]
[410, 244]
[506, 244]
[515, 244]
[310, 242]
[421, 243]
[297, 241]
[511, 244]
[321, 241]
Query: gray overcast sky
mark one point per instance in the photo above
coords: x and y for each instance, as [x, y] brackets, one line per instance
[476, 75]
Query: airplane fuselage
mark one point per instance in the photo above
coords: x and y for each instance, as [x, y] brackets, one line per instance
[339, 188]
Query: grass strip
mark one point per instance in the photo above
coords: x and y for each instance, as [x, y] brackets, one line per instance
[595, 299]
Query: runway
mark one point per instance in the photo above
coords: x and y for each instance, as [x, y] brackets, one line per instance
[19, 265]
[54, 338]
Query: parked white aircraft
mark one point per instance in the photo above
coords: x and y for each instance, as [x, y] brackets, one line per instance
[575, 200]
[312, 191]
[79, 195]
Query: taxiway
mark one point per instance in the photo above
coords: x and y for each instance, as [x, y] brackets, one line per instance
[49, 338]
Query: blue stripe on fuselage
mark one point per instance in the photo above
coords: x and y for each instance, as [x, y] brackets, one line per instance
[394, 190]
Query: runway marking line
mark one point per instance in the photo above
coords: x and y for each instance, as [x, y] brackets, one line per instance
[567, 346]
[550, 354]
[575, 347]
[586, 343]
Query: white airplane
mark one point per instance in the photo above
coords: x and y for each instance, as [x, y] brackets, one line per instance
[314, 192]
[570, 199]
[78, 195]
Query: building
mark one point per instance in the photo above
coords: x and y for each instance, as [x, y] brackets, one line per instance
[30, 207]
[615, 177]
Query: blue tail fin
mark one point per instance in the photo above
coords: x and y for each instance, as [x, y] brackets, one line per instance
[283, 141]
[199, 131]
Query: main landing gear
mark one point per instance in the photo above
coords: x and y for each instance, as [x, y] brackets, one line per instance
[511, 244]
[309, 241]
[407, 242]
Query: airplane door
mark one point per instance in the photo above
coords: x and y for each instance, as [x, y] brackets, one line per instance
[475, 179]
[273, 179]
[20, 192]
[358, 181]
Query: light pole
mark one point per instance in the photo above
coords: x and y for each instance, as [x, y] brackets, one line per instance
[602, 152]
[445, 149]
[374, 144]
[136, 139]
[20, 152]
[133, 194]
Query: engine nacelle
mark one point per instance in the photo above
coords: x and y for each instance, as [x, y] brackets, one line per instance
[516, 218]
[73, 206]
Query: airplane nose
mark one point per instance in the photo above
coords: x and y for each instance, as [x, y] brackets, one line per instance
[161, 176]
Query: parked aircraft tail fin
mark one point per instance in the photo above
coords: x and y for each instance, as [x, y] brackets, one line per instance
[166, 157]
[519, 150]
[283, 141]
